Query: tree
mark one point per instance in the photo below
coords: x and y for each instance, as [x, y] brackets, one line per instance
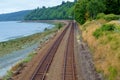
[113, 6]
[63, 11]
[85, 9]
[94, 7]
[80, 10]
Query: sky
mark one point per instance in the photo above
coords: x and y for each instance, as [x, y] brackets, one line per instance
[7, 6]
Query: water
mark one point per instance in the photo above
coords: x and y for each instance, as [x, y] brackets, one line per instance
[7, 61]
[12, 29]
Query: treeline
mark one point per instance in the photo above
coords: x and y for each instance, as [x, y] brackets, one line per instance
[15, 16]
[63, 11]
[89, 9]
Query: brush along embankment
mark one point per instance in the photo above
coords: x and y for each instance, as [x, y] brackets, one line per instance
[103, 38]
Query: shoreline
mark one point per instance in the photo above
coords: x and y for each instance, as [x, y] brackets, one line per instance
[18, 43]
[26, 30]
[32, 39]
[10, 60]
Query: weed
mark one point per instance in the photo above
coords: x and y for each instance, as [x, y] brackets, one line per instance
[8, 76]
[97, 33]
[115, 45]
[108, 17]
[109, 38]
[100, 16]
[113, 73]
[104, 30]
[30, 56]
[59, 26]
[108, 27]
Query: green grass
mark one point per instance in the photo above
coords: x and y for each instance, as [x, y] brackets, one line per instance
[108, 17]
[113, 73]
[104, 30]
[9, 74]
[29, 57]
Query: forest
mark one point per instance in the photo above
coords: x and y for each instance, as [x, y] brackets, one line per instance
[80, 10]
[14, 16]
[63, 11]
[89, 9]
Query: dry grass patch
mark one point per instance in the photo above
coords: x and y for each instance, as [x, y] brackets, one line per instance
[106, 48]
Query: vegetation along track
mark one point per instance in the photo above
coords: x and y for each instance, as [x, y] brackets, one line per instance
[43, 67]
[69, 62]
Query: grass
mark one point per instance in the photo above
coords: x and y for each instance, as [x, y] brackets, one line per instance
[103, 38]
[108, 17]
[30, 56]
[9, 74]
[105, 29]
[112, 73]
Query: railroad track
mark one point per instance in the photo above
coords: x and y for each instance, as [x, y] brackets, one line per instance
[69, 72]
[44, 64]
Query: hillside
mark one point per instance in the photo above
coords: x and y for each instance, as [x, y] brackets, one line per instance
[104, 42]
[100, 27]
[14, 16]
[63, 11]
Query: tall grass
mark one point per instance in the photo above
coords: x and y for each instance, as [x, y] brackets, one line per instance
[104, 30]
[108, 17]
[104, 41]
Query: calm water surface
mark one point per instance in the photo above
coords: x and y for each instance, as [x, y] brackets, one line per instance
[11, 29]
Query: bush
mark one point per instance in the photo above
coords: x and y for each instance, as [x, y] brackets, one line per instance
[108, 17]
[97, 33]
[111, 17]
[100, 16]
[107, 27]
[60, 25]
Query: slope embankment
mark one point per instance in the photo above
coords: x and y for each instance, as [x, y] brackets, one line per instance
[103, 39]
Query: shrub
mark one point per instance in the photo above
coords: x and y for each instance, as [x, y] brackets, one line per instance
[100, 16]
[60, 25]
[107, 27]
[110, 17]
[97, 33]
